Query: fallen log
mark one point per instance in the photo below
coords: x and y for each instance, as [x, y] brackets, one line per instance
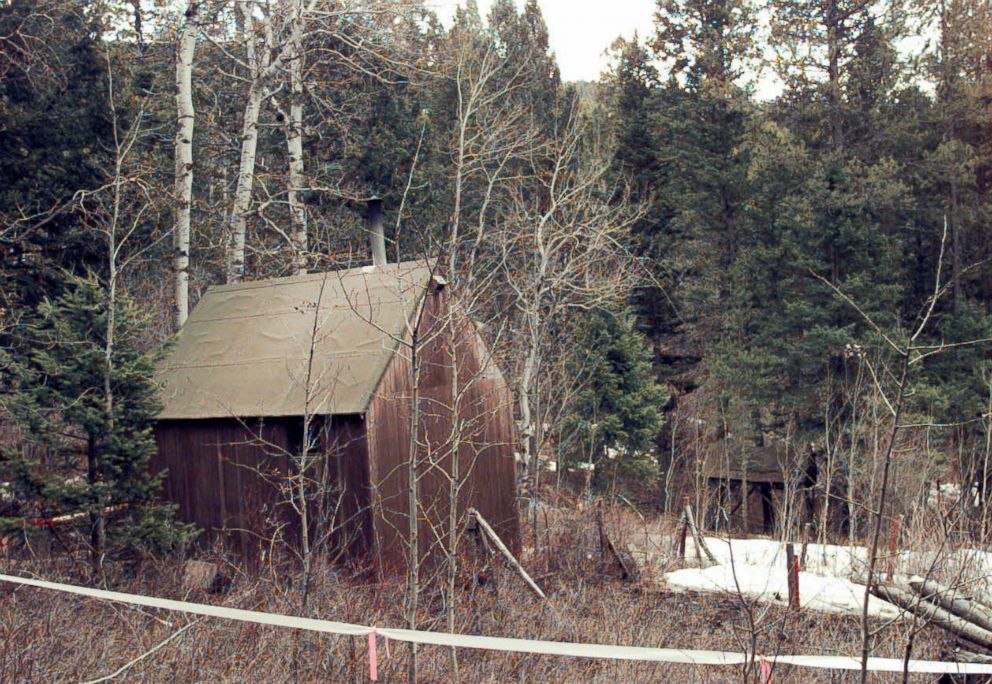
[951, 599]
[514, 563]
[969, 657]
[627, 566]
[697, 538]
[983, 600]
[946, 620]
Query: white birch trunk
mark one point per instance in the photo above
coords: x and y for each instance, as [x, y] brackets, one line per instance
[185, 49]
[262, 65]
[249, 146]
[246, 181]
[294, 143]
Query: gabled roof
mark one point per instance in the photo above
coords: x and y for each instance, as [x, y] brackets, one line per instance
[245, 349]
[732, 459]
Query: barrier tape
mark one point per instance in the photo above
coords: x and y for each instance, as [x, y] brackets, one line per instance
[536, 647]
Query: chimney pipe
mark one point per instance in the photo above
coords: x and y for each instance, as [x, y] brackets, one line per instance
[377, 233]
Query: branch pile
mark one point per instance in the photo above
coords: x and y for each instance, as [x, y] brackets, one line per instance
[968, 618]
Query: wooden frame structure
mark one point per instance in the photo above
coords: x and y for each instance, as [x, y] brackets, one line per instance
[232, 426]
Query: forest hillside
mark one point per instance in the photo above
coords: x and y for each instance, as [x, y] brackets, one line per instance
[357, 311]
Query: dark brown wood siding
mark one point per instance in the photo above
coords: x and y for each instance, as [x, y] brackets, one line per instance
[230, 478]
[483, 436]
[344, 522]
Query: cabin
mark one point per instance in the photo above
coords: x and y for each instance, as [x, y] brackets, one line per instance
[747, 484]
[258, 364]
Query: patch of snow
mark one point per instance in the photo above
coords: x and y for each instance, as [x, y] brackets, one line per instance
[822, 559]
[770, 585]
[755, 568]
[826, 580]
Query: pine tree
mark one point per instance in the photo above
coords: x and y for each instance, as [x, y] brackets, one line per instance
[54, 130]
[75, 457]
[826, 196]
[616, 415]
[522, 38]
[632, 98]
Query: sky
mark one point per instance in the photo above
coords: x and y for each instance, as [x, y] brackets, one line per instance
[580, 30]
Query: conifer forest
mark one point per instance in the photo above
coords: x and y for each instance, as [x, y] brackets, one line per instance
[362, 312]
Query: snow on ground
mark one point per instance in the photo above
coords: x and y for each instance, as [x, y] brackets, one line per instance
[756, 568]
[822, 559]
[816, 592]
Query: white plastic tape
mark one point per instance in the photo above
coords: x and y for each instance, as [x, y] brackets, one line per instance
[559, 648]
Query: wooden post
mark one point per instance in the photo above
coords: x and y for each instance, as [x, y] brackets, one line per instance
[697, 537]
[807, 534]
[599, 525]
[484, 526]
[893, 536]
[792, 567]
[681, 528]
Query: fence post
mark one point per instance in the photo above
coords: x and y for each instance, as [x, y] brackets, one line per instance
[792, 570]
[893, 537]
[681, 530]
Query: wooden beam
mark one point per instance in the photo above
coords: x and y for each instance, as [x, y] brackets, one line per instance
[514, 563]
[697, 538]
[911, 602]
[954, 601]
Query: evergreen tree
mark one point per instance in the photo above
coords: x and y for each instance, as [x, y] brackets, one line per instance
[825, 197]
[959, 166]
[523, 38]
[54, 133]
[681, 140]
[616, 414]
[76, 457]
[630, 90]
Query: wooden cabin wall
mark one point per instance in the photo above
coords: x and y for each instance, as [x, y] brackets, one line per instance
[728, 512]
[225, 475]
[219, 473]
[488, 443]
[345, 505]
[484, 440]
[388, 435]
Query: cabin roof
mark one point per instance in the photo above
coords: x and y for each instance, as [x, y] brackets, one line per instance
[731, 459]
[245, 350]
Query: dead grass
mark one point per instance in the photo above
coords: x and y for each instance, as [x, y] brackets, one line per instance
[47, 637]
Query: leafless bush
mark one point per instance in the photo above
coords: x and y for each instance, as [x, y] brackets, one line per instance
[55, 637]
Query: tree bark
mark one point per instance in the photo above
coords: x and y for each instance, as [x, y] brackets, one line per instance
[242, 196]
[944, 619]
[294, 143]
[953, 601]
[185, 117]
[527, 427]
[262, 65]
[833, 21]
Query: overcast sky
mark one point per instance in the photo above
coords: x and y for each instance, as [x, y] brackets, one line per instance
[580, 30]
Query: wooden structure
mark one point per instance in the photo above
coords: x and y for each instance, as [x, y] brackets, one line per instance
[255, 359]
[746, 483]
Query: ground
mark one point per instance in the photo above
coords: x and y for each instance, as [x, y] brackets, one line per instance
[48, 637]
